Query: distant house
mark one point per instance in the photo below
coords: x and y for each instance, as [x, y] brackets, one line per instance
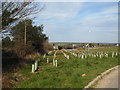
[68, 47]
[117, 45]
[55, 47]
[87, 45]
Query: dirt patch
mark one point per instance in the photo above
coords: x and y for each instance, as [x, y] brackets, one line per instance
[10, 80]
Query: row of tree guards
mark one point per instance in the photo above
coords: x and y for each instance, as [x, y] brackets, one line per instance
[35, 65]
[55, 62]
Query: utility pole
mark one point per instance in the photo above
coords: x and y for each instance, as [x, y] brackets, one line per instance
[25, 32]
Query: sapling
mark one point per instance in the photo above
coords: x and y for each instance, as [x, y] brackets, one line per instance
[47, 60]
[75, 55]
[106, 55]
[33, 68]
[112, 54]
[100, 56]
[82, 57]
[97, 55]
[37, 63]
[44, 56]
[78, 55]
[67, 56]
[56, 63]
[53, 62]
[116, 53]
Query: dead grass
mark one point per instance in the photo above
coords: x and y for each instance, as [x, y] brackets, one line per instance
[33, 56]
[11, 79]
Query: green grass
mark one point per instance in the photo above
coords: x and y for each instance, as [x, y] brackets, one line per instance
[68, 73]
[106, 49]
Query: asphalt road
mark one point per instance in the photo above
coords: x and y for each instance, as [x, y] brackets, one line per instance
[110, 80]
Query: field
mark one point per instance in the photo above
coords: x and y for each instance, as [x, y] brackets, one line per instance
[75, 71]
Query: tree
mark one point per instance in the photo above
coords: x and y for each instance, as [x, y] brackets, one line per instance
[6, 42]
[34, 34]
[13, 12]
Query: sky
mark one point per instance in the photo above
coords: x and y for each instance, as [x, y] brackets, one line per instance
[79, 21]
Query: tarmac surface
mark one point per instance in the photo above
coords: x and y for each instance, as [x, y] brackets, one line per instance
[110, 80]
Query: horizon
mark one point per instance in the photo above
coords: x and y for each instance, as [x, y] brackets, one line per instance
[87, 42]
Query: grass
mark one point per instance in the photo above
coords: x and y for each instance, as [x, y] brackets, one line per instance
[68, 74]
[105, 49]
[94, 85]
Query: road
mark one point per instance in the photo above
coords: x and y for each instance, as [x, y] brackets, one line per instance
[109, 81]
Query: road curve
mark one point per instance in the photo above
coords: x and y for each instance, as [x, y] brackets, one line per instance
[110, 80]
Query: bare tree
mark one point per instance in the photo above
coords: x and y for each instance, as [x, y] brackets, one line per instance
[14, 11]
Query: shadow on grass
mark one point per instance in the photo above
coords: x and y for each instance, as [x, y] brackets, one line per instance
[11, 63]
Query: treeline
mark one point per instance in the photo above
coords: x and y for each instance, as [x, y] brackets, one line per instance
[81, 45]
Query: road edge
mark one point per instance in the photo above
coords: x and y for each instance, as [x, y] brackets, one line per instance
[100, 76]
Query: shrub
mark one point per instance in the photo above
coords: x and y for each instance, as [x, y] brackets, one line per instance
[22, 50]
[60, 47]
[80, 48]
[47, 46]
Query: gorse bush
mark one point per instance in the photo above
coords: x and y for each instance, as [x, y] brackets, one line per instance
[23, 50]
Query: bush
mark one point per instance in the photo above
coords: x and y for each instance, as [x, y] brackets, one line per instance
[47, 47]
[80, 48]
[7, 43]
[22, 50]
[60, 47]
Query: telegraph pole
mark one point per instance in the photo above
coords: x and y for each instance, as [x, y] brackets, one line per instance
[25, 32]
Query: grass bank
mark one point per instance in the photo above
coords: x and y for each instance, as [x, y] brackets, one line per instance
[70, 73]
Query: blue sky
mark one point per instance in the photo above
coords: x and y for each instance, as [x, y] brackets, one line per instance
[80, 21]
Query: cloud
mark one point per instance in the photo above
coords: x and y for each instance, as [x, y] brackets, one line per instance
[106, 18]
[76, 0]
[59, 11]
[80, 22]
